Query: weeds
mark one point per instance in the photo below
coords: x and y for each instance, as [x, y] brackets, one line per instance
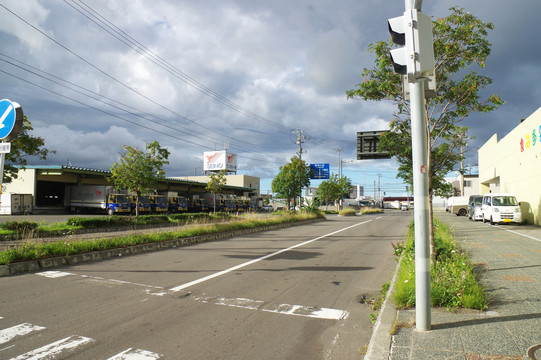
[453, 281]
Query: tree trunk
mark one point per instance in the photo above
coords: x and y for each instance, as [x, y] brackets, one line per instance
[430, 194]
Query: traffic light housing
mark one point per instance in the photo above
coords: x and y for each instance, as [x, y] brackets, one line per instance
[413, 31]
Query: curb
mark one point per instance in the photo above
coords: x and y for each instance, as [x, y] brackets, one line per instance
[46, 263]
[380, 342]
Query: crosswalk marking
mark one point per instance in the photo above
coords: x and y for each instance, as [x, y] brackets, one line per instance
[135, 354]
[17, 330]
[56, 349]
[61, 348]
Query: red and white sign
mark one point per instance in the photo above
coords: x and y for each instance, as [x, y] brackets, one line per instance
[219, 160]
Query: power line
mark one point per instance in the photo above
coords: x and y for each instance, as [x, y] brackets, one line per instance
[112, 77]
[134, 44]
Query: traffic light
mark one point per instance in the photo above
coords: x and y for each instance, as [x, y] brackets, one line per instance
[413, 31]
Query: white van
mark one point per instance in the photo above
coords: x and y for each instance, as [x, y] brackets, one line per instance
[501, 208]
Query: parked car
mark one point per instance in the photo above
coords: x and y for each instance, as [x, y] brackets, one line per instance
[501, 208]
[475, 207]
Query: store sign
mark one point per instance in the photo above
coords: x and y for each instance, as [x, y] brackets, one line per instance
[530, 140]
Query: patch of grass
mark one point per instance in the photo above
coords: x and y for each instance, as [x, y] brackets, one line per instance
[370, 211]
[453, 282]
[35, 251]
[347, 212]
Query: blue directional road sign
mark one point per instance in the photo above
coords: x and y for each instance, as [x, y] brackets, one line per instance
[320, 171]
[7, 118]
[11, 118]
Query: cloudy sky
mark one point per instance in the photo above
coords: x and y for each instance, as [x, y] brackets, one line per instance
[248, 75]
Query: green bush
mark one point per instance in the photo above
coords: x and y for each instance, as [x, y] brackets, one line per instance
[101, 222]
[188, 217]
[152, 219]
[20, 226]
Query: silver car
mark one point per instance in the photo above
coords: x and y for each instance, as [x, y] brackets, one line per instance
[475, 207]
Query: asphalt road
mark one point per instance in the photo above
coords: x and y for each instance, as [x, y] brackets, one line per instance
[283, 294]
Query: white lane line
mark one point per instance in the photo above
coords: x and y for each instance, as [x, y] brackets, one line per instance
[150, 289]
[18, 330]
[517, 233]
[283, 309]
[226, 271]
[54, 274]
[56, 350]
[135, 354]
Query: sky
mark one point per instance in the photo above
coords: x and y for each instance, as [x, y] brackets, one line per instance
[245, 75]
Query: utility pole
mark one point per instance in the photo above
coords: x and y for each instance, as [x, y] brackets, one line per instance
[300, 138]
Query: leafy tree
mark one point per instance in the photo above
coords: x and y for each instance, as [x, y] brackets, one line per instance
[216, 184]
[334, 189]
[139, 170]
[23, 146]
[291, 179]
[460, 48]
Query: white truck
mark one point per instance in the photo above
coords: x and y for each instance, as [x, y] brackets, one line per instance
[97, 198]
[458, 205]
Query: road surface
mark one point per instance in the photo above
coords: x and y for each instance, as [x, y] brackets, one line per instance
[283, 294]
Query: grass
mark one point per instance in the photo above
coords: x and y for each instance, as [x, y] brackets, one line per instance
[36, 251]
[347, 212]
[370, 211]
[453, 282]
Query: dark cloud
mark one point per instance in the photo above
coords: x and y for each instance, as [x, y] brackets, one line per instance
[260, 69]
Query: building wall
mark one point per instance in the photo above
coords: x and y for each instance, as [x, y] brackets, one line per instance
[513, 165]
[24, 184]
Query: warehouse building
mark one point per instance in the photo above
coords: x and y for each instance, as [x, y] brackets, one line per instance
[47, 185]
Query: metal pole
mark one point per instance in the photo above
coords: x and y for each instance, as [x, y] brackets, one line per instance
[420, 198]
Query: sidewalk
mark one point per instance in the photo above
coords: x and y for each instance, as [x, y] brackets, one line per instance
[509, 258]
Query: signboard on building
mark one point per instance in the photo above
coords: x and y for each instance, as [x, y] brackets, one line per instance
[219, 160]
[367, 146]
[320, 171]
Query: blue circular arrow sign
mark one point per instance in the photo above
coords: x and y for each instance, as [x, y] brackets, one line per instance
[7, 118]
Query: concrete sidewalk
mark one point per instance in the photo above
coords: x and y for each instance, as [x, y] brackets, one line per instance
[509, 258]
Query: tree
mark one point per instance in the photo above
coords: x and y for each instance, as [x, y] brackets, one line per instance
[291, 179]
[216, 184]
[333, 189]
[22, 146]
[139, 171]
[460, 45]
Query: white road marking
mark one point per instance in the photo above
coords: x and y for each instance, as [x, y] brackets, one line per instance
[135, 354]
[56, 350]
[150, 289]
[517, 233]
[318, 313]
[226, 271]
[54, 274]
[283, 309]
[18, 330]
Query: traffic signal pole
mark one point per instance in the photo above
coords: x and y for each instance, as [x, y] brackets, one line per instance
[420, 199]
[415, 60]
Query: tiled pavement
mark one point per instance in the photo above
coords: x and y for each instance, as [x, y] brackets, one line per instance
[509, 260]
